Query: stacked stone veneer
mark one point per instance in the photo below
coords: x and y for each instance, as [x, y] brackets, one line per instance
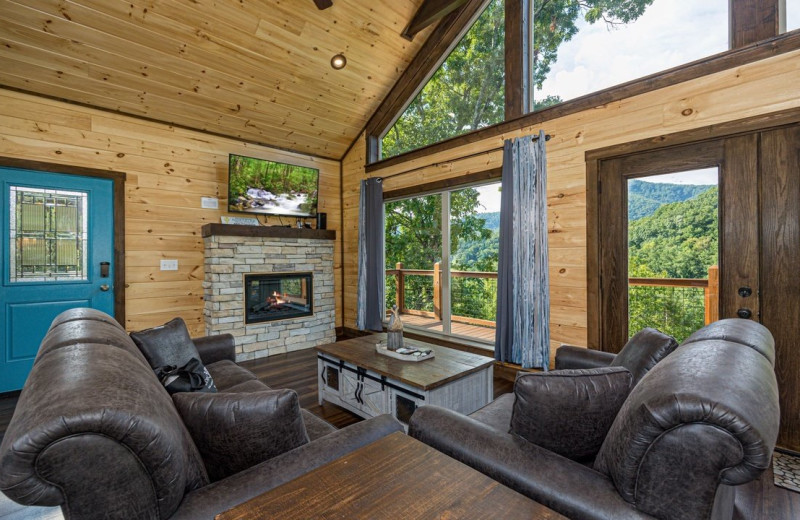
[227, 258]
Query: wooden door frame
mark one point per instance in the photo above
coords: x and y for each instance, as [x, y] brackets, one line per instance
[594, 305]
[118, 179]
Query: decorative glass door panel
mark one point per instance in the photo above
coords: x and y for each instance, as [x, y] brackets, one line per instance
[48, 235]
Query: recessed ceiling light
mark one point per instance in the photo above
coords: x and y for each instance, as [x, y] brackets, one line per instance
[338, 61]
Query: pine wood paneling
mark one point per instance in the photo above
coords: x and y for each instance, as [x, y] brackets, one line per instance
[758, 88]
[168, 170]
[259, 71]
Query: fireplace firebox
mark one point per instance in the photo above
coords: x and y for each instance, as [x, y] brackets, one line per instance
[277, 296]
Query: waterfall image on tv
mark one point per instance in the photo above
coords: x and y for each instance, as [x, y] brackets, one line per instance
[271, 188]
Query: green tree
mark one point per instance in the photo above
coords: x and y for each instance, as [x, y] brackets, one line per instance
[413, 236]
[679, 240]
[467, 92]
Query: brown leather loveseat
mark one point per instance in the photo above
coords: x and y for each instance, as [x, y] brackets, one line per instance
[96, 433]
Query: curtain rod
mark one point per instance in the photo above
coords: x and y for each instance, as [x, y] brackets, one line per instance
[535, 138]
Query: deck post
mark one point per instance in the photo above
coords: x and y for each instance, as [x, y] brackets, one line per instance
[711, 294]
[437, 291]
[400, 288]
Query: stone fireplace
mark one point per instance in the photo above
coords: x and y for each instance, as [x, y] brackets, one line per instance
[270, 287]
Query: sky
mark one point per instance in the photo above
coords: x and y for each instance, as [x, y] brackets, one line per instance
[704, 176]
[669, 33]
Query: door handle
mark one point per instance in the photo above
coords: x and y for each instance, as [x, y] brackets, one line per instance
[105, 287]
[745, 314]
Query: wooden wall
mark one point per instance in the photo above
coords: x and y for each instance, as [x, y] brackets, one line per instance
[168, 171]
[762, 87]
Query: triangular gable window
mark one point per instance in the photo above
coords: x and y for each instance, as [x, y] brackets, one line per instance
[467, 92]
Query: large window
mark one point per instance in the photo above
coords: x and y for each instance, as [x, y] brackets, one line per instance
[577, 53]
[466, 93]
[441, 261]
[792, 15]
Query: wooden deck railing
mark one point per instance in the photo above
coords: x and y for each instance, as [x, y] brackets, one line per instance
[710, 288]
[400, 290]
[709, 285]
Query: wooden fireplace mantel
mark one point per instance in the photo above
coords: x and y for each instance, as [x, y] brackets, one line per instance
[267, 231]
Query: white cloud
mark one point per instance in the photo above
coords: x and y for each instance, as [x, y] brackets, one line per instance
[792, 15]
[704, 176]
[489, 197]
[668, 34]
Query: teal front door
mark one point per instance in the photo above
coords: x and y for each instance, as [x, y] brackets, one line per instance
[57, 251]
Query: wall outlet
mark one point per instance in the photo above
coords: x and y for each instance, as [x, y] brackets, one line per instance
[169, 265]
[209, 203]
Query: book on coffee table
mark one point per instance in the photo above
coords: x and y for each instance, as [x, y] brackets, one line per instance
[405, 353]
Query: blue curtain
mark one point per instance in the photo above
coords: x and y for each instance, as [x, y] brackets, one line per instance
[371, 270]
[523, 285]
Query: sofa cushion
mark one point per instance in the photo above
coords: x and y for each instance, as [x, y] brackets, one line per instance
[497, 414]
[569, 411]
[316, 427]
[641, 353]
[234, 431]
[169, 346]
[228, 374]
[252, 385]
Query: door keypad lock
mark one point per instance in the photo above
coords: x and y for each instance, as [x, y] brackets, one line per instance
[104, 267]
[745, 291]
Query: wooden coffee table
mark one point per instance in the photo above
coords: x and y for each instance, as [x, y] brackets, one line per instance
[394, 477]
[355, 377]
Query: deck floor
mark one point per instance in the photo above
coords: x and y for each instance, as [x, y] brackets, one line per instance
[472, 332]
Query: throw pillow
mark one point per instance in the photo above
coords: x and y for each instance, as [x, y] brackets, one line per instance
[234, 431]
[641, 353]
[569, 412]
[170, 351]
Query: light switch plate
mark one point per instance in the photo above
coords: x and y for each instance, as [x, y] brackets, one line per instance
[169, 265]
[209, 203]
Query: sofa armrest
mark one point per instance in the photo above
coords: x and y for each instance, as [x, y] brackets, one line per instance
[561, 484]
[241, 487]
[568, 356]
[215, 348]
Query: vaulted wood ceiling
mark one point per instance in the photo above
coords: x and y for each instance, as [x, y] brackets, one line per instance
[258, 70]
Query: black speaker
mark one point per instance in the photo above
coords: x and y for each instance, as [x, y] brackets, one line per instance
[322, 221]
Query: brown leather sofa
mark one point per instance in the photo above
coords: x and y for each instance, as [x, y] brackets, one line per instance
[701, 421]
[96, 433]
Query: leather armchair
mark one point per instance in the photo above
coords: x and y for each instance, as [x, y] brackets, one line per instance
[700, 422]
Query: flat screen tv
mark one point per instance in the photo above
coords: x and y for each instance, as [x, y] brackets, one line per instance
[271, 188]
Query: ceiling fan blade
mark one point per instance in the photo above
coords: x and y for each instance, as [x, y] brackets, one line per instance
[323, 4]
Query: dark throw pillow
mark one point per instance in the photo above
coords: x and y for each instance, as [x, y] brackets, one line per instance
[569, 412]
[641, 353]
[234, 431]
[173, 356]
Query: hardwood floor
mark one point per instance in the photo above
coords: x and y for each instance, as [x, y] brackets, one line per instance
[760, 500]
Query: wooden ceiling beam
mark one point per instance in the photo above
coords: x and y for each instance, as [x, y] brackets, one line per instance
[323, 4]
[429, 12]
